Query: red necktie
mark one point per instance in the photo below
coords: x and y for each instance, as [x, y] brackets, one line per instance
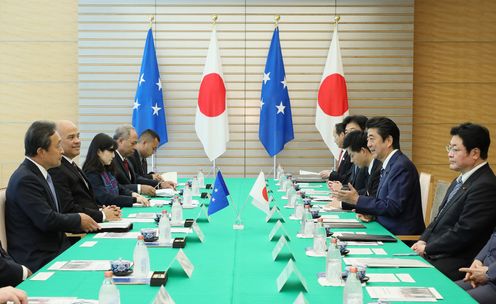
[126, 167]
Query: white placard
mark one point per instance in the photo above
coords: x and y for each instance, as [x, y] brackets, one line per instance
[279, 246]
[185, 263]
[300, 299]
[278, 226]
[197, 230]
[273, 211]
[163, 297]
[286, 273]
[203, 212]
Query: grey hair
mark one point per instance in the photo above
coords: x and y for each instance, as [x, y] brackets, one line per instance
[123, 132]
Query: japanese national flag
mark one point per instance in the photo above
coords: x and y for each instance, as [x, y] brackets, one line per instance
[259, 194]
[332, 105]
[211, 122]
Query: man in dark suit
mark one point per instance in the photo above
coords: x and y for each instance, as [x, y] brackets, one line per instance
[355, 123]
[467, 214]
[71, 184]
[480, 277]
[147, 144]
[397, 205]
[11, 273]
[126, 139]
[34, 223]
[343, 164]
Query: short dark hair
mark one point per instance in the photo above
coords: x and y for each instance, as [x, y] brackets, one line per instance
[355, 140]
[473, 136]
[38, 136]
[360, 120]
[385, 127]
[101, 142]
[339, 127]
[150, 134]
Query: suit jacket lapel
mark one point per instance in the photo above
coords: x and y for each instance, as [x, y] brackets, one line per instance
[386, 172]
[43, 182]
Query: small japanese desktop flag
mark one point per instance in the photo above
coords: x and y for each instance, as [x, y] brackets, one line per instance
[276, 121]
[332, 105]
[212, 123]
[259, 194]
[148, 108]
[218, 199]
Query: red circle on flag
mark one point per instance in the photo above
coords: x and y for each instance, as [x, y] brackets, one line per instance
[212, 95]
[333, 98]
[264, 194]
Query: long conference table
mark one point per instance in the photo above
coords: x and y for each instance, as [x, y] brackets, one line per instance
[231, 266]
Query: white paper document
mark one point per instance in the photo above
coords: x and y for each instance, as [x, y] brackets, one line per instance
[81, 265]
[382, 278]
[303, 172]
[117, 235]
[59, 300]
[42, 276]
[387, 262]
[404, 294]
[122, 224]
[359, 250]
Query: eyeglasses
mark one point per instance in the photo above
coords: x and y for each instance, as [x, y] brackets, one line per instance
[450, 148]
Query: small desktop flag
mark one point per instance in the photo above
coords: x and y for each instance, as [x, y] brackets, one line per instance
[218, 199]
[148, 108]
[259, 194]
[276, 122]
[211, 122]
[332, 105]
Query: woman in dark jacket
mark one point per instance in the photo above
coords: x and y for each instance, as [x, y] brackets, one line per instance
[99, 170]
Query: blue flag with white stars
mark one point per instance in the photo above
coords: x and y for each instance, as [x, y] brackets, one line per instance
[148, 109]
[218, 199]
[276, 122]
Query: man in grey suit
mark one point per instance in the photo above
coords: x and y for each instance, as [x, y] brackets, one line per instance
[480, 277]
[467, 214]
[34, 222]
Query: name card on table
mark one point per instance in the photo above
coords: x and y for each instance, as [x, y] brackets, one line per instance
[185, 263]
[300, 299]
[286, 273]
[279, 246]
[203, 213]
[163, 297]
[278, 226]
[272, 212]
[198, 232]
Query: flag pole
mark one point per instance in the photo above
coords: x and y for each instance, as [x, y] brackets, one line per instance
[274, 167]
[276, 24]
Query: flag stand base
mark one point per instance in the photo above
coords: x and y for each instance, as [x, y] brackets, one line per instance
[238, 224]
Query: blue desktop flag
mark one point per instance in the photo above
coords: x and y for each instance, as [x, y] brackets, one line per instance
[218, 200]
[276, 122]
[148, 109]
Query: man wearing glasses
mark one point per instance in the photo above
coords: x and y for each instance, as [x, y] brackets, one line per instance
[467, 214]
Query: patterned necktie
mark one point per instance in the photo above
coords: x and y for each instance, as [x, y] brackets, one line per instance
[455, 189]
[52, 189]
[339, 160]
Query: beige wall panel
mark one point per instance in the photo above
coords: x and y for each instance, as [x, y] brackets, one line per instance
[38, 20]
[454, 76]
[448, 102]
[25, 101]
[39, 61]
[455, 61]
[455, 20]
[439, 171]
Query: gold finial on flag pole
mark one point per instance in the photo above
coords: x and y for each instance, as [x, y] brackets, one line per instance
[336, 19]
[276, 20]
[214, 19]
[151, 20]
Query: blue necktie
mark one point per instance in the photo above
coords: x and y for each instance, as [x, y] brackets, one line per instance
[455, 189]
[52, 189]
